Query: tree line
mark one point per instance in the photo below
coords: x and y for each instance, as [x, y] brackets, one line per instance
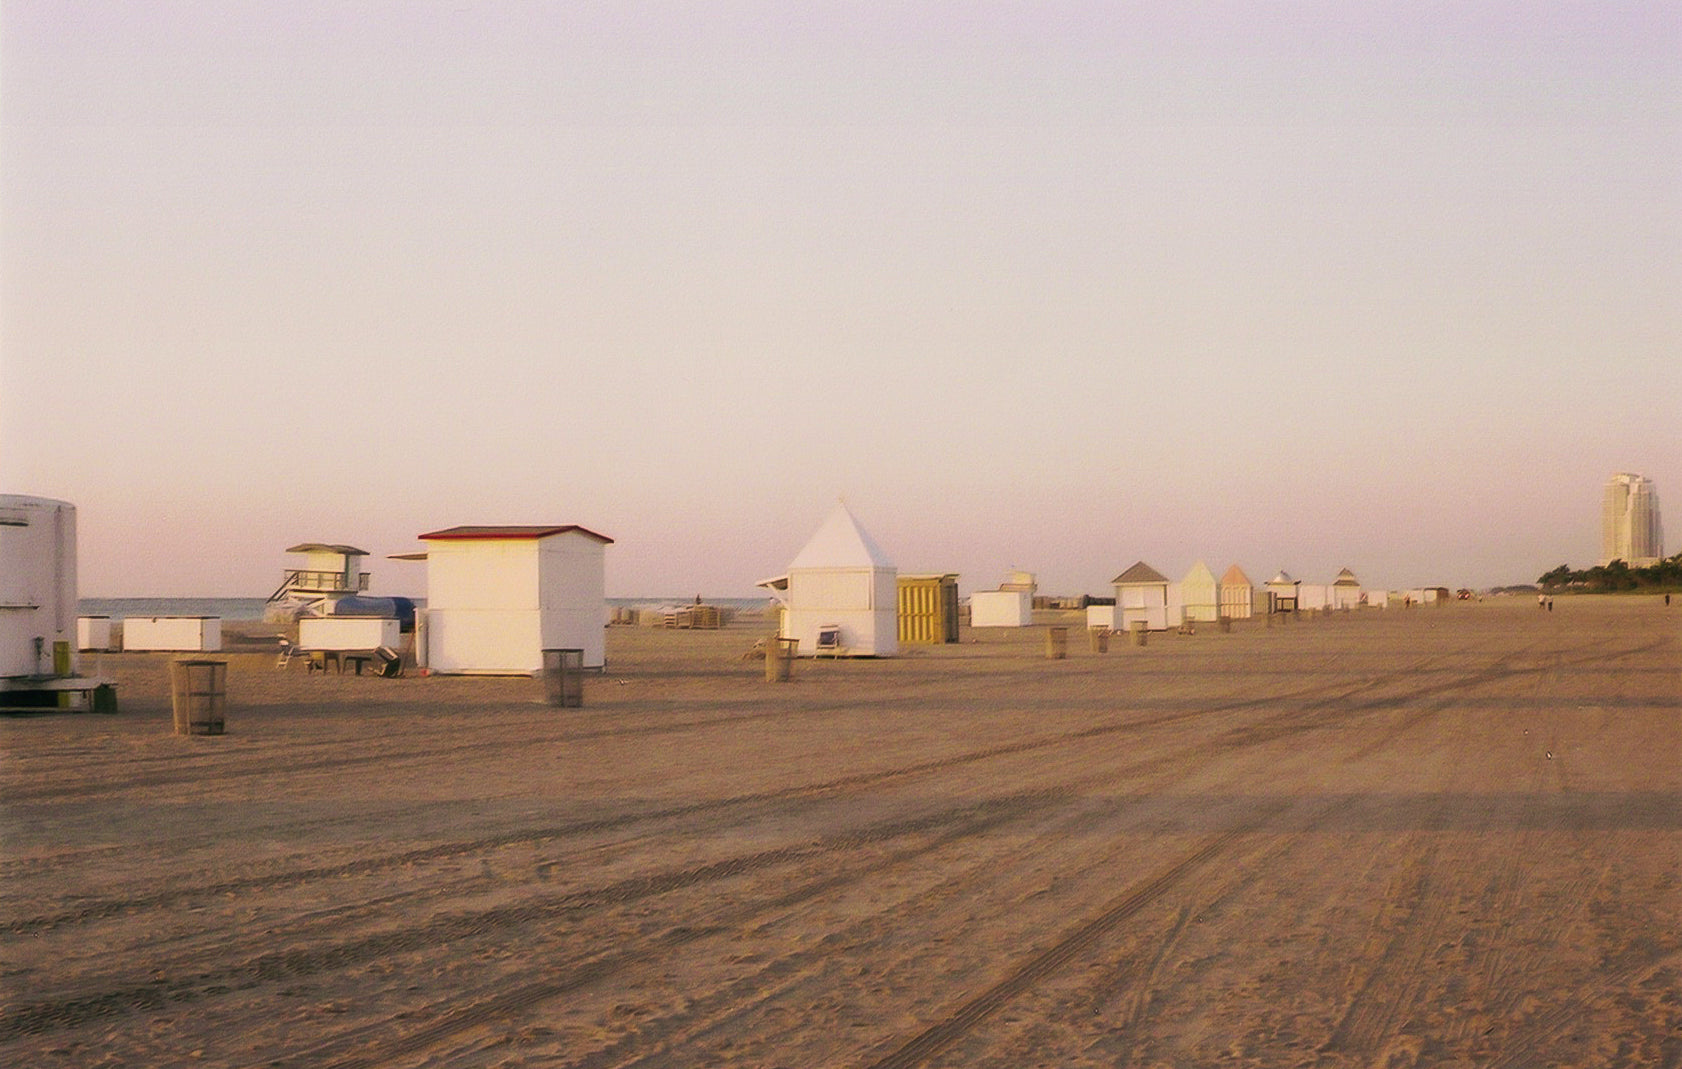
[1618, 575]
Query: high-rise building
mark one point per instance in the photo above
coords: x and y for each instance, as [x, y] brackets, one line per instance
[1629, 522]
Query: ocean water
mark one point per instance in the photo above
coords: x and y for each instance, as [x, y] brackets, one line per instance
[252, 608]
[123, 608]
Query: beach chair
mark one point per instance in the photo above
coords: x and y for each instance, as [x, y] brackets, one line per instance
[287, 652]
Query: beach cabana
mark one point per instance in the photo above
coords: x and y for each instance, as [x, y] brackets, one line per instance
[841, 593]
[928, 609]
[1346, 590]
[1282, 593]
[1141, 596]
[498, 596]
[1200, 595]
[1238, 595]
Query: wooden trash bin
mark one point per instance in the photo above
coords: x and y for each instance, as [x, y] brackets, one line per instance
[563, 677]
[1056, 643]
[779, 658]
[1098, 638]
[1138, 634]
[199, 693]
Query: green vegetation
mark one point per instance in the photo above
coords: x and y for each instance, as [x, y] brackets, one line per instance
[1665, 575]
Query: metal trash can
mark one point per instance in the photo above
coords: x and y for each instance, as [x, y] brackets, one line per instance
[1099, 639]
[1138, 632]
[1225, 625]
[199, 693]
[563, 677]
[779, 658]
[1056, 643]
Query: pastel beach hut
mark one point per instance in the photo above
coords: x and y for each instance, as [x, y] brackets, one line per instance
[1200, 595]
[841, 593]
[1238, 595]
[1141, 596]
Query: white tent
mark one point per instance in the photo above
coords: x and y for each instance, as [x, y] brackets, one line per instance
[497, 597]
[1200, 595]
[841, 593]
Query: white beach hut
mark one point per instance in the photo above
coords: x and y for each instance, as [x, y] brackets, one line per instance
[1282, 593]
[1346, 590]
[498, 596]
[1141, 596]
[1200, 594]
[37, 586]
[1238, 595]
[841, 593]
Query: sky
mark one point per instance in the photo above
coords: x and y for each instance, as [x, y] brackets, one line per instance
[1050, 286]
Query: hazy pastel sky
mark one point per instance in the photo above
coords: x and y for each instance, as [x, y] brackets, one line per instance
[1056, 286]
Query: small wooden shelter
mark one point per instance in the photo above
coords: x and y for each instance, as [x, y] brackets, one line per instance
[498, 596]
[1200, 595]
[1346, 590]
[1282, 593]
[1238, 595]
[928, 609]
[1141, 596]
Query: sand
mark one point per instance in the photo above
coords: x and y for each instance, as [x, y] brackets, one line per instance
[1429, 837]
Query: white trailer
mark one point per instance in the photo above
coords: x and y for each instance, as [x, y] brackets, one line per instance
[37, 586]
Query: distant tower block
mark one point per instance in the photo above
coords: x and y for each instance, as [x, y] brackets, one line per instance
[1629, 521]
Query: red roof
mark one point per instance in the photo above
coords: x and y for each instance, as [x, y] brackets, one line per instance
[460, 534]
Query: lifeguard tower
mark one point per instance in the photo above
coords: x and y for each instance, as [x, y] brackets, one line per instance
[330, 574]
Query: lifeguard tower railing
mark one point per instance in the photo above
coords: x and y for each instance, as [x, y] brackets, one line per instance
[307, 581]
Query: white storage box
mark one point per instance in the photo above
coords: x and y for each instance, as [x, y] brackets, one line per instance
[93, 632]
[188, 634]
[348, 632]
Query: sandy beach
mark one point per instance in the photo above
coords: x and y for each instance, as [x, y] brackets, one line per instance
[1425, 837]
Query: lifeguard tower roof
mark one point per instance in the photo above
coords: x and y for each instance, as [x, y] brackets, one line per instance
[512, 531]
[324, 547]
